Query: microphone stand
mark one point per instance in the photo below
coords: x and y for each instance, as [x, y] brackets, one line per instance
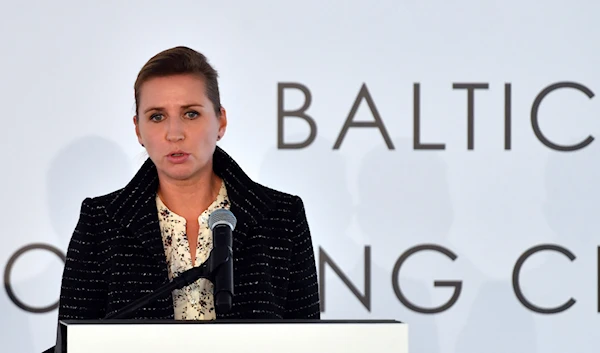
[217, 258]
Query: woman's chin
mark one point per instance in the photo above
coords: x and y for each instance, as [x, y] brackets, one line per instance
[178, 172]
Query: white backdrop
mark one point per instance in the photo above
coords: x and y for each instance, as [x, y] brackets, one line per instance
[67, 74]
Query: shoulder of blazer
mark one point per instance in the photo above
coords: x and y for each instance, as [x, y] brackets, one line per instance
[251, 202]
[284, 204]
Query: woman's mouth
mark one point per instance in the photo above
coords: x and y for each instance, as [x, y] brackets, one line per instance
[177, 157]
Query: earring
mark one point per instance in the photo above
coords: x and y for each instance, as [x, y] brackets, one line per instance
[218, 137]
[142, 144]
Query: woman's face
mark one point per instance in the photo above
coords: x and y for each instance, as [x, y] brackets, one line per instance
[177, 125]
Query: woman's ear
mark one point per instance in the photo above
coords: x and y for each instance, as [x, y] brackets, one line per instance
[222, 124]
[137, 130]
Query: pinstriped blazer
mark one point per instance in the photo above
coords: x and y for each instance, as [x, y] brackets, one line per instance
[116, 254]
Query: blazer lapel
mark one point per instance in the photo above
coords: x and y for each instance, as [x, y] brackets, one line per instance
[135, 209]
[134, 206]
[249, 204]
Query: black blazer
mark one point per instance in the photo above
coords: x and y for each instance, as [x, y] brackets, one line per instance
[116, 255]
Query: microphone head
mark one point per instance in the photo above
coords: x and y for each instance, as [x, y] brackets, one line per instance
[222, 216]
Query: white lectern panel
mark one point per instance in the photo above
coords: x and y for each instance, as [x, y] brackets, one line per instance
[271, 337]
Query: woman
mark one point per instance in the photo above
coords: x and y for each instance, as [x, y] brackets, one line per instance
[130, 242]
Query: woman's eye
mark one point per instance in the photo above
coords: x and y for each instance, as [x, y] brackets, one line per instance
[156, 117]
[192, 114]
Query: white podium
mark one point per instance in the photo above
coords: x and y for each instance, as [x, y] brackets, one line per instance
[303, 336]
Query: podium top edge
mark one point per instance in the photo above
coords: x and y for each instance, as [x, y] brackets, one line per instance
[221, 321]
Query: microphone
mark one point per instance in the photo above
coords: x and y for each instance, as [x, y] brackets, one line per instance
[222, 223]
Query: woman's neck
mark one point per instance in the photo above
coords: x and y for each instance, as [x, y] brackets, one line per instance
[189, 198]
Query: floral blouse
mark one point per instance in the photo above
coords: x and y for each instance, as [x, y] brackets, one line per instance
[194, 302]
